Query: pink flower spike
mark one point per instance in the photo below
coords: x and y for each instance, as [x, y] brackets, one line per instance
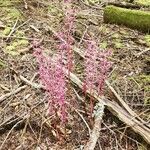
[53, 79]
[96, 67]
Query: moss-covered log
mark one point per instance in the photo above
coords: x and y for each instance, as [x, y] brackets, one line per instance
[135, 19]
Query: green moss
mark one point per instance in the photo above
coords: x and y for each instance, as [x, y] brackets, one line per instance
[143, 2]
[57, 14]
[5, 2]
[147, 39]
[117, 43]
[21, 43]
[144, 79]
[104, 44]
[147, 94]
[6, 31]
[8, 2]
[142, 147]
[116, 35]
[135, 19]
[15, 46]
[20, 33]
[53, 10]
[123, 32]
[11, 50]
[92, 1]
[2, 64]
[11, 13]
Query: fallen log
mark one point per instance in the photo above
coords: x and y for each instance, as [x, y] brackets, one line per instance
[134, 19]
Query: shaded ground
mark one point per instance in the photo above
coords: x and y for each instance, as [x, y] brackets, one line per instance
[33, 129]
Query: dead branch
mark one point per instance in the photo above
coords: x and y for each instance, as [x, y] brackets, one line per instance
[83, 120]
[35, 85]
[97, 127]
[3, 97]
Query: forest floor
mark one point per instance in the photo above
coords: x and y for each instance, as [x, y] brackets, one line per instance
[24, 123]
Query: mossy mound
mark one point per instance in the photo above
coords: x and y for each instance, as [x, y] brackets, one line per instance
[135, 19]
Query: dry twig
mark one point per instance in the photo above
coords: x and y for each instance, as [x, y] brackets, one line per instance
[3, 97]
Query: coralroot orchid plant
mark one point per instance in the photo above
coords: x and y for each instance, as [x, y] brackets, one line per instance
[96, 67]
[53, 79]
[51, 69]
